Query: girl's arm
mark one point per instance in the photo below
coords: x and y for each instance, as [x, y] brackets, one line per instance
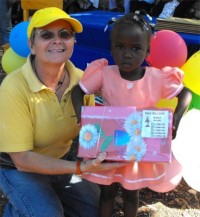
[77, 101]
[184, 99]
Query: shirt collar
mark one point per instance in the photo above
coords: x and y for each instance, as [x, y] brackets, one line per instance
[36, 85]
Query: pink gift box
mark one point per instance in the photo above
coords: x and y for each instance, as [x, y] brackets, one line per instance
[126, 133]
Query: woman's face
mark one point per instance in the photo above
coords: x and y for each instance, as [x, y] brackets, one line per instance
[56, 50]
[129, 46]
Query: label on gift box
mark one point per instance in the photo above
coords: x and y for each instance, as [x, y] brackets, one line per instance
[155, 124]
[126, 133]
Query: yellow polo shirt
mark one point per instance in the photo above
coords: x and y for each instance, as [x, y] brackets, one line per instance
[32, 118]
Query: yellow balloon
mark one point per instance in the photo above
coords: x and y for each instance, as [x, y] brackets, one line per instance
[168, 103]
[192, 73]
[11, 61]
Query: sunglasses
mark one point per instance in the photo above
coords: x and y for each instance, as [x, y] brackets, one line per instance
[49, 35]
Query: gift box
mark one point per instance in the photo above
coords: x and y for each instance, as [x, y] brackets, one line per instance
[126, 133]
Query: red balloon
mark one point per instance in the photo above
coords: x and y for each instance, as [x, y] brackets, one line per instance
[167, 48]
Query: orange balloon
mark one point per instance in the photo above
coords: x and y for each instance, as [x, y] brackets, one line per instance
[168, 103]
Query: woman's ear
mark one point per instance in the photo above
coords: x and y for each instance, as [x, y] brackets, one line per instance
[31, 46]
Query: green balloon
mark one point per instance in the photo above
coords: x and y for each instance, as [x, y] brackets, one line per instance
[195, 103]
[11, 61]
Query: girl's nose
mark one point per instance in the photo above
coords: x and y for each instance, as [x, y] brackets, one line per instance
[127, 52]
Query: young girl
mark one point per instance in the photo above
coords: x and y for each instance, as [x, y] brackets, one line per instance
[129, 84]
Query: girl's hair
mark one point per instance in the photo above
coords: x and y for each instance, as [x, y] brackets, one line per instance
[138, 18]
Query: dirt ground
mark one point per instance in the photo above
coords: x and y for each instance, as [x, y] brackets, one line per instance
[181, 202]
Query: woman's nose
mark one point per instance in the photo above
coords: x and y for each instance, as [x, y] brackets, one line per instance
[57, 39]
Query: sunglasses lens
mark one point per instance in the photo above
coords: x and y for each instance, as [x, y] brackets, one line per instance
[46, 35]
[63, 34]
[66, 34]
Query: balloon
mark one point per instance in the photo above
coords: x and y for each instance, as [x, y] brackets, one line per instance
[186, 145]
[192, 73]
[167, 48]
[167, 103]
[192, 176]
[19, 40]
[11, 61]
[172, 178]
[195, 103]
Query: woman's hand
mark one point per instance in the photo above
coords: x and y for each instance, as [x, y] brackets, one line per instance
[96, 164]
[29, 161]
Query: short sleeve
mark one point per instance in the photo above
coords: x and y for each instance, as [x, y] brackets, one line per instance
[16, 126]
[172, 81]
[91, 81]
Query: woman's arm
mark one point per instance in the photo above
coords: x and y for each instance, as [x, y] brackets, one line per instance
[184, 99]
[77, 101]
[29, 161]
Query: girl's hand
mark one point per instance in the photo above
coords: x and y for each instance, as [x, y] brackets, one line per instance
[176, 121]
[184, 99]
[174, 130]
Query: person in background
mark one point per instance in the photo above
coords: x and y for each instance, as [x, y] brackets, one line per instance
[37, 126]
[142, 5]
[128, 83]
[5, 21]
[17, 13]
[76, 6]
[194, 10]
[169, 9]
[180, 8]
[115, 5]
[183, 10]
[158, 7]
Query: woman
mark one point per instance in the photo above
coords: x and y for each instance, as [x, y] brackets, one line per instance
[37, 126]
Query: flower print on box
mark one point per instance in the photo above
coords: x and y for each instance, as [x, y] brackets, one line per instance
[126, 133]
[135, 150]
[133, 124]
[88, 136]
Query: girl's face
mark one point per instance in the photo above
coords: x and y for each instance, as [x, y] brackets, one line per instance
[129, 46]
[57, 49]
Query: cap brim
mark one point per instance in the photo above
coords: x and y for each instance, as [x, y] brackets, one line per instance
[36, 23]
[76, 25]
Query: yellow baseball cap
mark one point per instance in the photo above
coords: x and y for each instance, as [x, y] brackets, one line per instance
[48, 15]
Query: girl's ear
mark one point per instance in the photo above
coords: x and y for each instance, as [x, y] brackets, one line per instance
[148, 52]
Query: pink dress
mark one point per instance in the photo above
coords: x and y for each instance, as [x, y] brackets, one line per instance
[146, 92]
